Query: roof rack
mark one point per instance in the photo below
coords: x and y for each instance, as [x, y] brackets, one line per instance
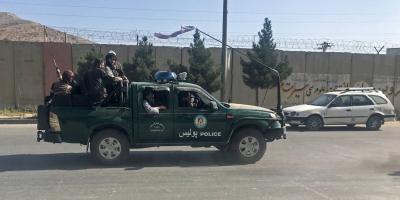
[361, 89]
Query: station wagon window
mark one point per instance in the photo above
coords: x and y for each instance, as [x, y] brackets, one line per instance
[378, 99]
[192, 99]
[342, 101]
[361, 100]
[323, 100]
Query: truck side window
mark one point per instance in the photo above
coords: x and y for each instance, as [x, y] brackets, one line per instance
[192, 99]
[161, 98]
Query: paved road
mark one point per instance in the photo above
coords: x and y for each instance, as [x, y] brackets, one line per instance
[336, 163]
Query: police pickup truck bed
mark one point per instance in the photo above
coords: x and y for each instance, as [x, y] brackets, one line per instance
[239, 130]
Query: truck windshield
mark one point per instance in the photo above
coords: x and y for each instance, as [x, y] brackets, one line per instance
[323, 100]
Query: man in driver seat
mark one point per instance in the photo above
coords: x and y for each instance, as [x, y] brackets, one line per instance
[148, 102]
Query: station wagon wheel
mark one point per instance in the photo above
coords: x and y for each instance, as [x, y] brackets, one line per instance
[314, 123]
[248, 146]
[374, 123]
[109, 147]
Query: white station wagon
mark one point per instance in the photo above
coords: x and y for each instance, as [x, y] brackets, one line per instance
[344, 106]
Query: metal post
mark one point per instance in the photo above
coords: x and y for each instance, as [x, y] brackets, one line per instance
[44, 33]
[223, 52]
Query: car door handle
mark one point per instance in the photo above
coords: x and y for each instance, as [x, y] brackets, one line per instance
[371, 109]
[348, 110]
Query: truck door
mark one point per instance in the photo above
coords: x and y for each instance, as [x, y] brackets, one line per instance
[155, 127]
[195, 118]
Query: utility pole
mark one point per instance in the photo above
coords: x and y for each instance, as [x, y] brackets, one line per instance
[223, 52]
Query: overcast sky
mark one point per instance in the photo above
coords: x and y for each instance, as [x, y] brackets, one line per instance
[368, 20]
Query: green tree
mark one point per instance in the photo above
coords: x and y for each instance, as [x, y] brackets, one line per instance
[143, 65]
[179, 68]
[201, 70]
[201, 67]
[257, 76]
[85, 65]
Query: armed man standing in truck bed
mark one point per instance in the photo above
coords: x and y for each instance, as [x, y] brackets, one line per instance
[120, 82]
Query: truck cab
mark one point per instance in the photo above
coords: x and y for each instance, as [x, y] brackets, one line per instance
[192, 117]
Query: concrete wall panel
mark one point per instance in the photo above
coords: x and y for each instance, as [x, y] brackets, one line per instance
[339, 70]
[384, 74]
[292, 89]
[79, 52]
[340, 63]
[185, 56]
[61, 52]
[28, 60]
[362, 70]
[297, 60]
[316, 75]
[216, 58]
[165, 54]
[241, 93]
[396, 93]
[7, 93]
[317, 63]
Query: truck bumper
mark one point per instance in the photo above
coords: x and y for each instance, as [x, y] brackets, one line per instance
[275, 134]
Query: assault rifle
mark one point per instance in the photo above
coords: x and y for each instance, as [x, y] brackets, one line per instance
[57, 70]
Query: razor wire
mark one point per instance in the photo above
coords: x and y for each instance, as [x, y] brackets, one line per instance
[238, 41]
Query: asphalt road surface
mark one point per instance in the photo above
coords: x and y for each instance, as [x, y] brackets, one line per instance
[336, 163]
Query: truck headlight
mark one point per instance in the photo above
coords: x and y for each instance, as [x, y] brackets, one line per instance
[273, 116]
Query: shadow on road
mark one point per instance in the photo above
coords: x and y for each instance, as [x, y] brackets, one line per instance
[397, 173]
[331, 128]
[137, 160]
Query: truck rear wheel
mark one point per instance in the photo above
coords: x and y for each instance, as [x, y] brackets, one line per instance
[248, 146]
[109, 147]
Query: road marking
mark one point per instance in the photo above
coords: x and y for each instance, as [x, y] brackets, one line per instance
[312, 190]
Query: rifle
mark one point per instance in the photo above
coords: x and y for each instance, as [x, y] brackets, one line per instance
[57, 70]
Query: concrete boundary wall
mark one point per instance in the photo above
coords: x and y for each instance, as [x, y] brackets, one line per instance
[28, 66]
[28, 71]
[7, 86]
[61, 53]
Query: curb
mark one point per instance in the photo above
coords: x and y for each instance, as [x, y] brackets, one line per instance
[18, 121]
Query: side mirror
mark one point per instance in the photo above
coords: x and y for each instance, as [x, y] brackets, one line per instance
[214, 105]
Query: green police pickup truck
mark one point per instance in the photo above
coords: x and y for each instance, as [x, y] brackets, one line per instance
[191, 117]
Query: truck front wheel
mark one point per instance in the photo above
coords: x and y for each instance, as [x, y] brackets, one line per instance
[109, 147]
[248, 146]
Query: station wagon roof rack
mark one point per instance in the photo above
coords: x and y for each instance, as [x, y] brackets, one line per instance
[360, 89]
